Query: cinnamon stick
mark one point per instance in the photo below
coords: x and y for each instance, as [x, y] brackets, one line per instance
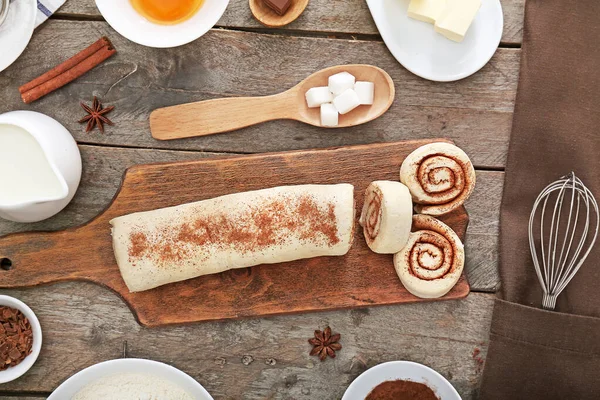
[67, 71]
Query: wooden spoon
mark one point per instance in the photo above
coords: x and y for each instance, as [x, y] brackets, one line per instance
[270, 18]
[228, 114]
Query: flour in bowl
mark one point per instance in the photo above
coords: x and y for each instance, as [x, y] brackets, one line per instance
[132, 387]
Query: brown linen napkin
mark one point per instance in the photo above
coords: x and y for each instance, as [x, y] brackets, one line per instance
[537, 354]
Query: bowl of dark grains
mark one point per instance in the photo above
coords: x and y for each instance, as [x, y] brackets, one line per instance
[20, 338]
[404, 380]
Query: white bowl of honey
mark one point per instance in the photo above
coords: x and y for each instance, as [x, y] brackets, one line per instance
[160, 23]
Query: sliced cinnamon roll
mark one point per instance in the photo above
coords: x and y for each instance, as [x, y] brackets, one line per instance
[386, 216]
[433, 259]
[440, 177]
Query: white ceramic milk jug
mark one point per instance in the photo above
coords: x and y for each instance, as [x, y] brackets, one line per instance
[40, 166]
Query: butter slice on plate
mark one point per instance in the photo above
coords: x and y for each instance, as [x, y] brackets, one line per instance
[456, 18]
[426, 10]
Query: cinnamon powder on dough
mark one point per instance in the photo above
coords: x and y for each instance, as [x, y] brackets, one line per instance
[254, 229]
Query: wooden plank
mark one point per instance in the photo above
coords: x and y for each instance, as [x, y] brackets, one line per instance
[476, 112]
[322, 16]
[104, 167]
[481, 247]
[360, 278]
[263, 358]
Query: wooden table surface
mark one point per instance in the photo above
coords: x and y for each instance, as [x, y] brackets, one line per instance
[262, 358]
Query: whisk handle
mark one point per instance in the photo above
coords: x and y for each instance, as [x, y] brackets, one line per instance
[549, 301]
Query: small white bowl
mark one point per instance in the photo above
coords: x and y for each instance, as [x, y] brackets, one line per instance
[74, 384]
[121, 15]
[394, 370]
[13, 373]
[428, 54]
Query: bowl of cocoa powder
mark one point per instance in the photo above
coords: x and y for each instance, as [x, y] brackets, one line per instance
[20, 338]
[400, 380]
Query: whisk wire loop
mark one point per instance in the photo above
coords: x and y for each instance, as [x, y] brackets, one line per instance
[563, 249]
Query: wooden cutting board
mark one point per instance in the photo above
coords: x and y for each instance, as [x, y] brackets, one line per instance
[358, 279]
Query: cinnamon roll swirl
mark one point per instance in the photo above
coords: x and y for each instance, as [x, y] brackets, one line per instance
[440, 177]
[386, 216]
[433, 259]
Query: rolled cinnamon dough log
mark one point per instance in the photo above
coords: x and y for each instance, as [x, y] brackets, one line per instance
[239, 230]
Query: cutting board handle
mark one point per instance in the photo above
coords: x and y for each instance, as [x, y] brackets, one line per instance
[220, 115]
[35, 258]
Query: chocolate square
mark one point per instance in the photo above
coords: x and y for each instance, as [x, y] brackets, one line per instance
[279, 6]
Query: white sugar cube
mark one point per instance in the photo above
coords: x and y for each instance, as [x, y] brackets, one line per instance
[338, 83]
[317, 96]
[346, 102]
[365, 92]
[329, 115]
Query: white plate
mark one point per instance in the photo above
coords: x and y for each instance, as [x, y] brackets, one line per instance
[16, 30]
[394, 370]
[430, 55]
[15, 372]
[121, 15]
[74, 384]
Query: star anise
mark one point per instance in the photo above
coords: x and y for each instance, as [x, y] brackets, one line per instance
[96, 115]
[325, 344]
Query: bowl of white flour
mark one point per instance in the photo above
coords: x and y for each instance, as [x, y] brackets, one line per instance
[130, 379]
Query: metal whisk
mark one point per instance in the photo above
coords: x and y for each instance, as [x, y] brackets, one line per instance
[566, 246]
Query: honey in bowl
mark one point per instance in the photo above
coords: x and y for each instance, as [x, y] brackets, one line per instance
[167, 12]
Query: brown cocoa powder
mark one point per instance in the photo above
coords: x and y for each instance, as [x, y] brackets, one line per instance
[401, 389]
